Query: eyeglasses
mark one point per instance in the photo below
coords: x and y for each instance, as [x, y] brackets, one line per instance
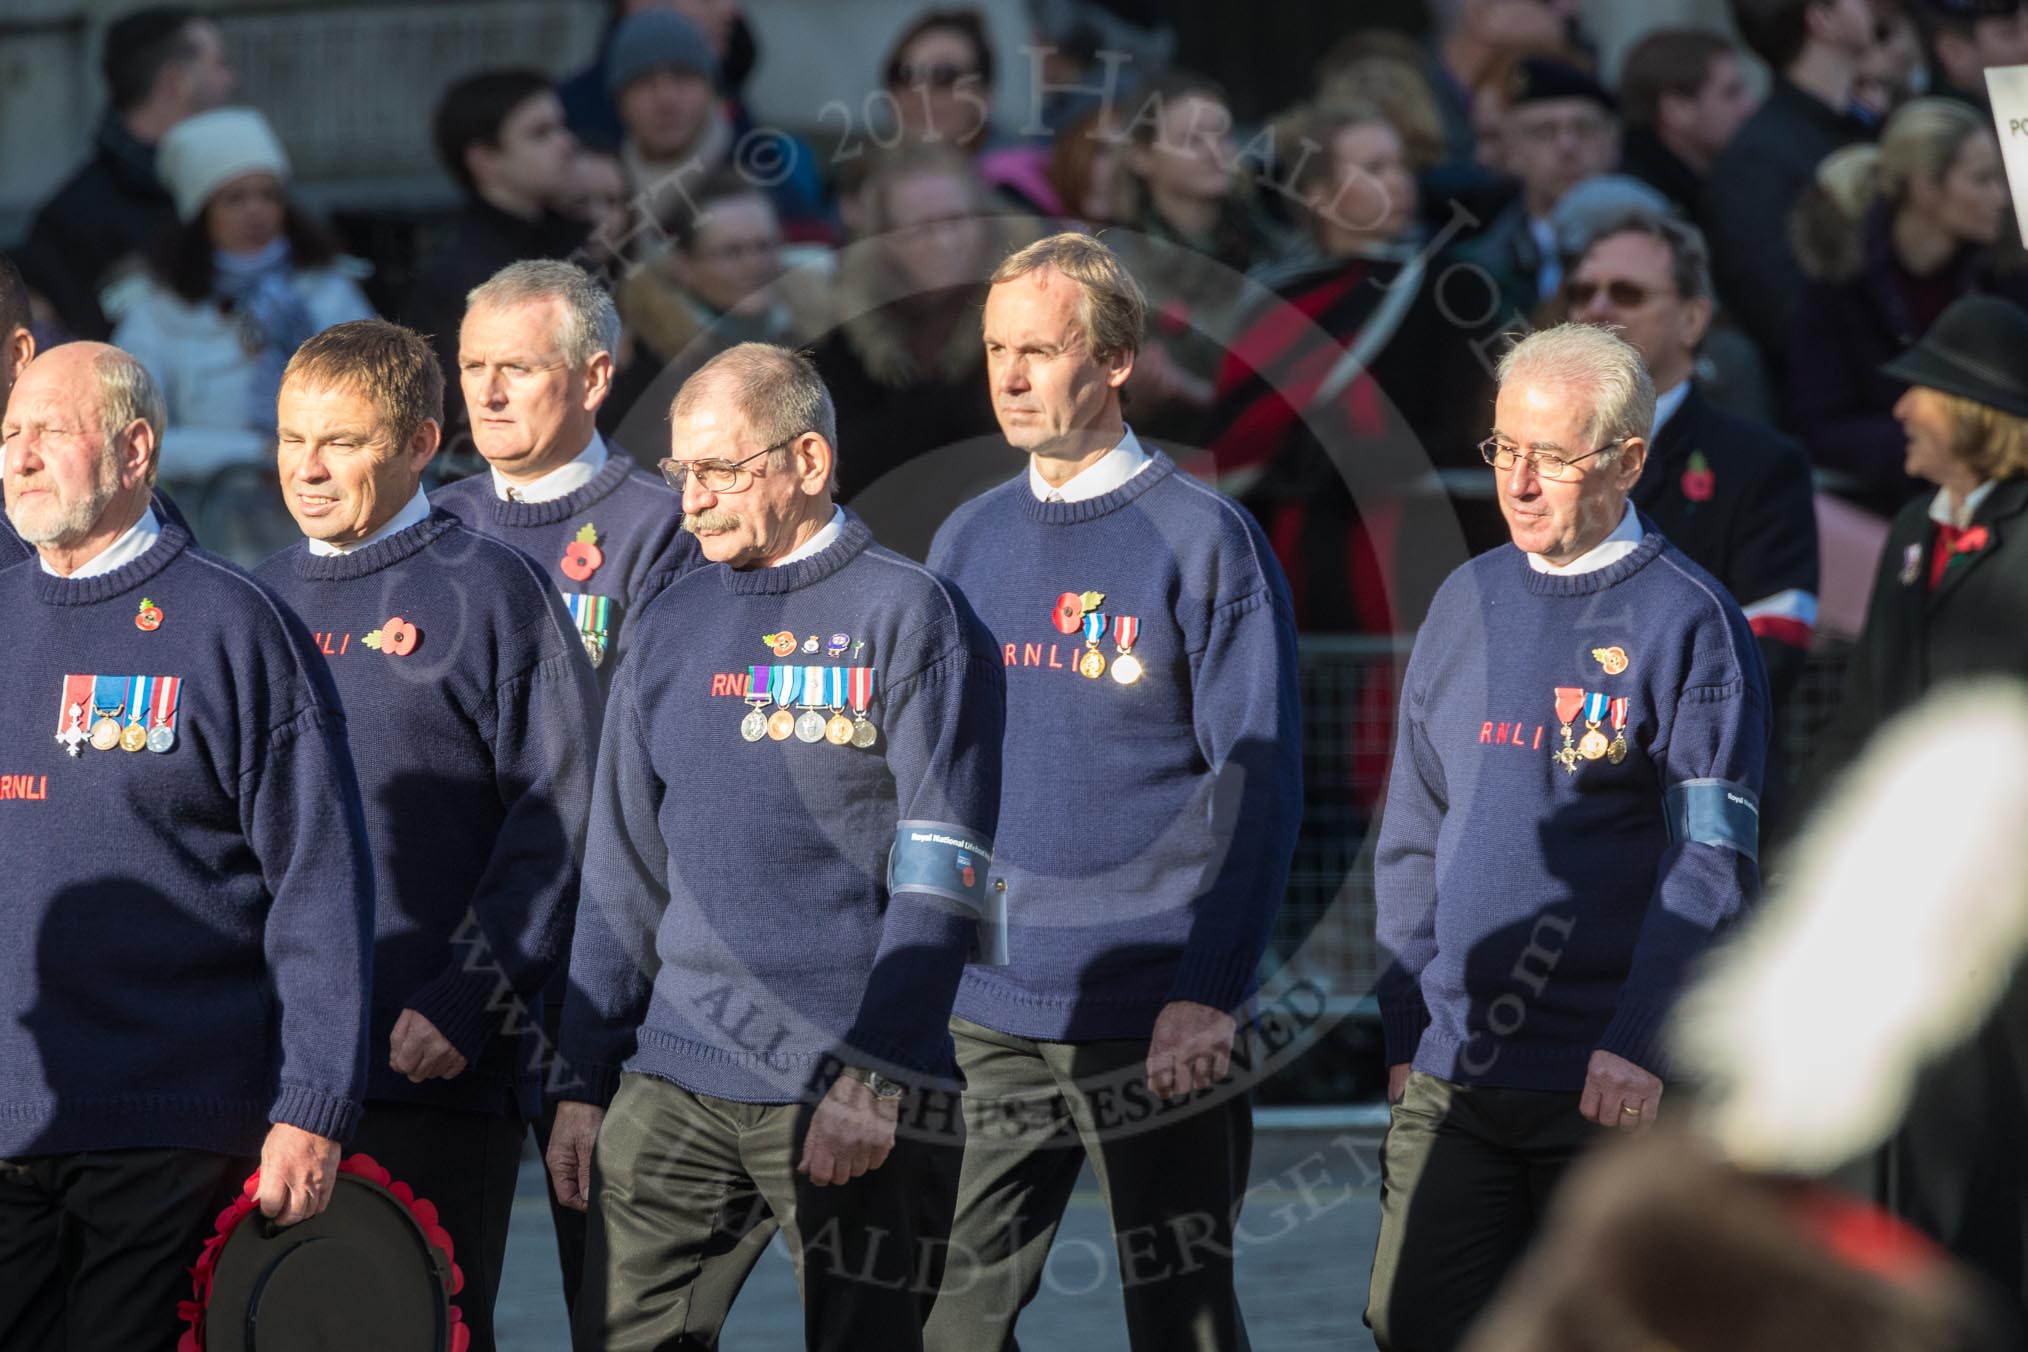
[717, 476]
[1503, 455]
[1623, 295]
[938, 76]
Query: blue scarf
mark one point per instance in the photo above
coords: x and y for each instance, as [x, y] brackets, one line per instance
[274, 320]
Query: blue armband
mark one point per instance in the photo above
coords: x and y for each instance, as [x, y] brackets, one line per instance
[947, 861]
[1714, 812]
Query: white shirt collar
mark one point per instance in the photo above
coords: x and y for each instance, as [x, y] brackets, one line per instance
[1102, 476]
[414, 514]
[1624, 540]
[560, 482]
[131, 544]
[1666, 404]
[1940, 505]
[820, 541]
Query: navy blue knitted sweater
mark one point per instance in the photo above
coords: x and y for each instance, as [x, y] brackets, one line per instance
[753, 906]
[1146, 828]
[632, 520]
[474, 721]
[188, 928]
[1537, 905]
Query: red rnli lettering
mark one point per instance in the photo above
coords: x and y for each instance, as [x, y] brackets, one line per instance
[1485, 732]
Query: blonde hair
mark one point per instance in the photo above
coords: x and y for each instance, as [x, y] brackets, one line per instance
[392, 366]
[1112, 310]
[1992, 441]
[1601, 364]
[1924, 137]
[1400, 94]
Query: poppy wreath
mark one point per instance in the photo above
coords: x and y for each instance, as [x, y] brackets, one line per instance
[192, 1311]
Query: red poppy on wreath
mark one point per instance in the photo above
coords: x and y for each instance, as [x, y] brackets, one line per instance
[582, 556]
[1699, 483]
[396, 638]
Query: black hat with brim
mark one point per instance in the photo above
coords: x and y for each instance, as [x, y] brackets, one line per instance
[1978, 349]
[372, 1272]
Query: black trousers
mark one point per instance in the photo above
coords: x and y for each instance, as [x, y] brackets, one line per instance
[687, 1190]
[1466, 1175]
[96, 1246]
[466, 1164]
[1173, 1178]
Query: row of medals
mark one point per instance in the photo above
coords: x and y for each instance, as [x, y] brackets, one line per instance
[1126, 667]
[1593, 745]
[838, 730]
[108, 733]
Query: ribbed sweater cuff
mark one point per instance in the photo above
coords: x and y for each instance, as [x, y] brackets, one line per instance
[456, 1002]
[1220, 978]
[1401, 1027]
[583, 1082]
[316, 1111]
[1635, 1034]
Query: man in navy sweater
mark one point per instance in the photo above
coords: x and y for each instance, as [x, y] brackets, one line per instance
[1153, 794]
[788, 860]
[535, 360]
[189, 895]
[1572, 817]
[474, 719]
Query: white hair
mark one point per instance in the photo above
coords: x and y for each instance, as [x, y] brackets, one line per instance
[1606, 368]
[127, 393]
[591, 323]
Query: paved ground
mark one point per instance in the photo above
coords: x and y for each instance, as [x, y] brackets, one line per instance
[1306, 1241]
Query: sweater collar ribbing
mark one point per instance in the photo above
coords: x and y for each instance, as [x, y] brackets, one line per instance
[534, 514]
[90, 591]
[1598, 580]
[1160, 467]
[852, 541]
[396, 548]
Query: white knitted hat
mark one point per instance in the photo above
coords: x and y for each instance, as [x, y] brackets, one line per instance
[201, 154]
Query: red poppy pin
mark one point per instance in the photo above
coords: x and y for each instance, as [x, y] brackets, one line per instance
[1972, 541]
[149, 618]
[582, 556]
[396, 638]
[1699, 483]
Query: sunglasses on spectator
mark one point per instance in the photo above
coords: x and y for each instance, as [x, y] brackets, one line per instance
[938, 76]
[1623, 295]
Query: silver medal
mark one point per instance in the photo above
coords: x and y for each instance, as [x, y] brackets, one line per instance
[810, 727]
[754, 726]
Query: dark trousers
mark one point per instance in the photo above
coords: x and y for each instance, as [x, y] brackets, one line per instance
[465, 1163]
[1465, 1178]
[687, 1190]
[566, 1222]
[1173, 1177]
[96, 1247]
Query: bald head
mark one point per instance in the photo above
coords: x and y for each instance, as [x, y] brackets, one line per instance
[82, 428]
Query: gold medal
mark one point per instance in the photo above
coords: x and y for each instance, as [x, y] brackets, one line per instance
[1593, 745]
[1092, 664]
[105, 735]
[781, 725]
[1617, 752]
[838, 732]
[135, 738]
[864, 734]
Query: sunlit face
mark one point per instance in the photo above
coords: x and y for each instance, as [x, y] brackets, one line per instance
[526, 402]
[343, 477]
[1931, 453]
[246, 215]
[1047, 387]
[755, 522]
[942, 94]
[1192, 153]
[1559, 519]
[1626, 282]
[935, 239]
[1552, 145]
[1371, 192]
[64, 468]
[664, 110]
[735, 257]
